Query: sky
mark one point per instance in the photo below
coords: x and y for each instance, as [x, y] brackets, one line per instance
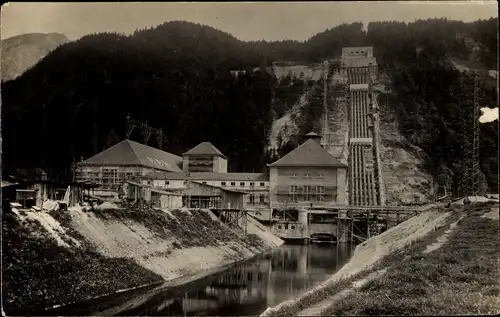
[246, 21]
[488, 115]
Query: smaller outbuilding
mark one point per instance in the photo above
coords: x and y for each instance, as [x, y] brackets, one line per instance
[199, 195]
[146, 195]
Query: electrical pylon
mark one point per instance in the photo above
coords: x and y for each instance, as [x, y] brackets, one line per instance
[470, 146]
[145, 129]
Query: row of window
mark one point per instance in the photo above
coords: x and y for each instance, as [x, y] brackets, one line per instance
[242, 184]
[307, 175]
[307, 193]
[306, 189]
[286, 226]
[252, 199]
[112, 176]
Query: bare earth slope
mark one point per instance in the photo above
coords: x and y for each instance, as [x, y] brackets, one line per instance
[404, 179]
[58, 257]
[19, 53]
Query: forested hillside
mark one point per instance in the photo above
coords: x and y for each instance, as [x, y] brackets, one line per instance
[177, 76]
[430, 97]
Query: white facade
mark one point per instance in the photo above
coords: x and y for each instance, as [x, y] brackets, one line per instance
[243, 185]
[357, 51]
[257, 196]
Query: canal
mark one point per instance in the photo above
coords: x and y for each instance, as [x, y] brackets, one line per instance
[249, 288]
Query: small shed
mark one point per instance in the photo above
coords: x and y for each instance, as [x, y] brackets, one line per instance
[166, 200]
[155, 197]
[8, 194]
[199, 195]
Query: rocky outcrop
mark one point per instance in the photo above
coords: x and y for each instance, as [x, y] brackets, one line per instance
[19, 53]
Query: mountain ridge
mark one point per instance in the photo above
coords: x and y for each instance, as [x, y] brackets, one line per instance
[178, 76]
[22, 52]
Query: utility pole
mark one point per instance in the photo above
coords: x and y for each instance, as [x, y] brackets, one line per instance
[325, 102]
[95, 138]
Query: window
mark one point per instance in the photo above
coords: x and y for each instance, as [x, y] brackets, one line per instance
[223, 183]
[307, 193]
[320, 175]
[262, 198]
[233, 183]
[306, 175]
[204, 182]
[251, 198]
[292, 193]
[110, 177]
[293, 227]
[242, 184]
[286, 226]
[279, 226]
[293, 175]
[167, 182]
[262, 184]
[320, 193]
[252, 184]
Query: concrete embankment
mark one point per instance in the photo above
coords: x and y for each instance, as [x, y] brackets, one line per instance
[61, 257]
[365, 257]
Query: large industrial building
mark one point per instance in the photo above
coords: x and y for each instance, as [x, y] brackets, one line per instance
[306, 176]
[204, 164]
[124, 161]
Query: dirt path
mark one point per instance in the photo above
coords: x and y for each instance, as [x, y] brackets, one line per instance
[317, 310]
[442, 239]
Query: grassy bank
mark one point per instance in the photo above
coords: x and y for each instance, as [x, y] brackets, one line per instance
[62, 257]
[412, 279]
[36, 272]
[461, 277]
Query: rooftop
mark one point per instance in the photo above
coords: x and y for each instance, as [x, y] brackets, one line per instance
[205, 148]
[313, 134]
[129, 152]
[309, 153]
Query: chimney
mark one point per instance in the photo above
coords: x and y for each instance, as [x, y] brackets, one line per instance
[313, 136]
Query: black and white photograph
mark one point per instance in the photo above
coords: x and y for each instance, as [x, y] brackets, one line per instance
[249, 158]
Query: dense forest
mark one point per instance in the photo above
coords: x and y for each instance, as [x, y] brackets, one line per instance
[177, 76]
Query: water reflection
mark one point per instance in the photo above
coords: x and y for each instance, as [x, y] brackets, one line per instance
[249, 288]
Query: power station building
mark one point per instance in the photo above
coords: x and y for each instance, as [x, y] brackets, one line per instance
[306, 176]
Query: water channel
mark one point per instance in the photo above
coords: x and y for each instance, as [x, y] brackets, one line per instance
[249, 288]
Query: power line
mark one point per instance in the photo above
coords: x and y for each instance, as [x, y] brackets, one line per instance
[146, 131]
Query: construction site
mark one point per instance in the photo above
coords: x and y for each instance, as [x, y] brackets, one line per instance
[188, 222]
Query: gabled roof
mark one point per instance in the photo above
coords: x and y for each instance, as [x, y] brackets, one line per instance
[129, 152]
[309, 153]
[205, 148]
[7, 184]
